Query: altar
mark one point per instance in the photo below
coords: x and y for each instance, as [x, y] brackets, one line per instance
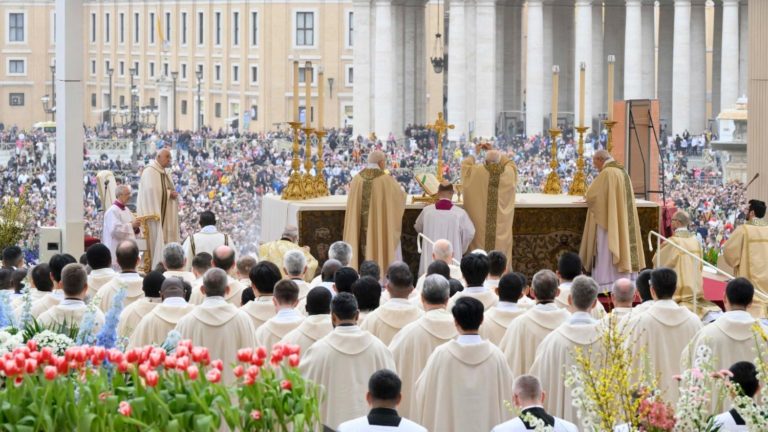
[545, 226]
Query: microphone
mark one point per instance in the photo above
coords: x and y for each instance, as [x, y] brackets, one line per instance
[752, 181]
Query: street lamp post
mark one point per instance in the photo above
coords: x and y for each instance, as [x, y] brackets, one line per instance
[199, 75]
[175, 76]
[110, 72]
[53, 92]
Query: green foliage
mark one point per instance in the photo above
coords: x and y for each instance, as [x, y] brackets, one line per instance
[12, 220]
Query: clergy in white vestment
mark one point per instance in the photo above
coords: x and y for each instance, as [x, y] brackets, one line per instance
[100, 260]
[568, 267]
[611, 247]
[224, 258]
[466, 380]
[385, 321]
[443, 220]
[134, 312]
[119, 223]
[497, 319]
[384, 396]
[154, 327]
[56, 264]
[316, 325]
[497, 267]
[244, 265]
[286, 317]
[71, 310]
[339, 251]
[747, 252]
[474, 270]
[622, 297]
[327, 274]
[744, 374]
[294, 269]
[264, 276]
[175, 263]
[526, 332]
[128, 278]
[201, 263]
[275, 251]
[40, 277]
[556, 353]
[643, 284]
[158, 197]
[415, 342]
[662, 331]
[205, 240]
[367, 291]
[218, 324]
[343, 361]
[731, 336]
[529, 398]
[442, 251]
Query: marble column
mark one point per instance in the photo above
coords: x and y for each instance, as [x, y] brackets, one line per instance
[757, 153]
[409, 62]
[583, 45]
[633, 50]
[534, 73]
[363, 68]
[666, 34]
[421, 60]
[512, 52]
[598, 65]
[681, 67]
[729, 67]
[743, 47]
[457, 70]
[613, 40]
[717, 45]
[563, 55]
[385, 70]
[485, 68]
[648, 59]
[69, 120]
[698, 77]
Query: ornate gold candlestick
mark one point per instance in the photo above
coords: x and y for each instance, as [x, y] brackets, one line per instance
[294, 190]
[552, 187]
[609, 124]
[579, 184]
[321, 186]
[308, 180]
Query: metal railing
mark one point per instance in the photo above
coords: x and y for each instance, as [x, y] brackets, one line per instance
[432, 243]
[660, 237]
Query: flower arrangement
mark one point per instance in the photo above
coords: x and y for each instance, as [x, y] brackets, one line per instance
[57, 342]
[656, 415]
[754, 412]
[9, 340]
[12, 220]
[99, 389]
[692, 412]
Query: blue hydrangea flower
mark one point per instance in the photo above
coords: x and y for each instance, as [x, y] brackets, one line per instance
[107, 336]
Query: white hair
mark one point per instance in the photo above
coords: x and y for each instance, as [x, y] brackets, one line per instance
[436, 289]
[340, 251]
[122, 188]
[443, 250]
[173, 256]
[294, 262]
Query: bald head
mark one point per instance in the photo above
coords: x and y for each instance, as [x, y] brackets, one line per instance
[443, 251]
[291, 233]
[682, 218]
[164, 158]
[493, 156]
[377, 157]
[224, 258]
[623, 293]
[599, 158]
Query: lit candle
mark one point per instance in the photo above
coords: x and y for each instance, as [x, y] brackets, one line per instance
[611, 63]
[555, 82]
[320, 95]
[582, 72]
[308, 97]
[295, 91]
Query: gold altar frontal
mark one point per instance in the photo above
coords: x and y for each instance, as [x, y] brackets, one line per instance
[545, 226]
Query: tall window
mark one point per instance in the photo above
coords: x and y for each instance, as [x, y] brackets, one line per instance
[167, 26]
[93, 28]
[350, 18]
[121, 24]
[16, 67]
[107, 19]
[254, 29]
[121, 68]
[16, 27]
[106, 67]
[235, 73]
[200, 69]
[305, 73]
[152, 25]
[183, 71]
[183, 28]
[166, 69]
[235, 28]
[305, 28]
[93, 67]
[254, 74]
[151, 69]
[136, 28]
[136, 68]
[217, 28]
[200, 28]
[217, 73]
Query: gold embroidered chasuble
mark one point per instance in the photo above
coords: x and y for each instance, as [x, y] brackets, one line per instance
[747, 252]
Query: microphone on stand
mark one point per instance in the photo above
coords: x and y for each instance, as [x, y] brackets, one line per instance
[751, 181]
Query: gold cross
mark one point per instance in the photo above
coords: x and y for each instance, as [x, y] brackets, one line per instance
[440, 127]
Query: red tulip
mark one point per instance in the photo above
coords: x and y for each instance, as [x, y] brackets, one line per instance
[20, 359]
[124, 409]
[32, 345]
[46, 354]
[11, 368]
[261, 352]
[50, 372]
[152, 377]
[143, 369]
[218, 364]
[249, 380]
[19, 380]
[197, 354]
[182, 351]
[123, 367]
[258, 362]
[170, 362]
[30, 365]
[293, 360]
[154, 359]
[238, 371]
[193, 372]
[292, 349]
[185, 343]
[253, 371]
[256, 414]
[244, 355]
[182, 363]
[213, 376]
[62, 366]
[80, 355]
[286, 385]
[132, 356]
[99, 353]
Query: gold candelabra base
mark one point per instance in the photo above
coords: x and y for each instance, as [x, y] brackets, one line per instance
[294, 190]
[552, 186]
[321, 186]
[609, 124]
[579, 184]
[308, 180]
